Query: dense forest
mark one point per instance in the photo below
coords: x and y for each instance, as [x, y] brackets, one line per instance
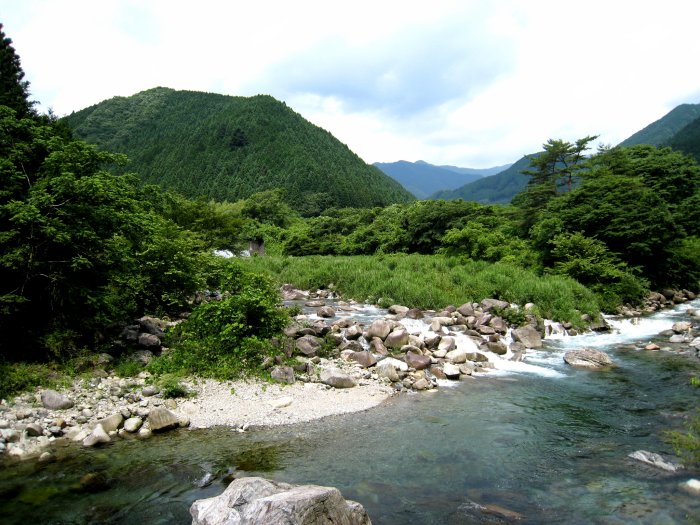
[228, 148]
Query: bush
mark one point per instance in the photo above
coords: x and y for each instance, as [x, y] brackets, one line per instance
[230, 337]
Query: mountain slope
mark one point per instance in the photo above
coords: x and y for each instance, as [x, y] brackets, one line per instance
[687, 140]
[227, 148]
[481, 172]
[495, 189]
[663, 130]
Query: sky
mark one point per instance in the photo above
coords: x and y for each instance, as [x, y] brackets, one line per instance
[467, 83]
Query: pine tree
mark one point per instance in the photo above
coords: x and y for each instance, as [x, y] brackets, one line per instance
[14, 90]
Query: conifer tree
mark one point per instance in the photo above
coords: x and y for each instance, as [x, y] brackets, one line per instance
[14, 90]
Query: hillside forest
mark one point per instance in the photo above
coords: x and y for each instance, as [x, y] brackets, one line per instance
[90, 241]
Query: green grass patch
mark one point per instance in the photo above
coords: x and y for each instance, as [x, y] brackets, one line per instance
[432, 282]
[16, 378]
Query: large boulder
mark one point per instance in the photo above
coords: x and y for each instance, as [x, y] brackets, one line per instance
[587, 358]
[337, 379]
[527, 335]
[257, 501]
[161, 419]
[308, 345]
[388, 371]
[447, 343]
[488, 304]
[364, 358]
[379, 328]
[417, 361]
[97, 436]
[283, 374]
[326, 312]
[681, 327]
[397, 338]
[55, 401]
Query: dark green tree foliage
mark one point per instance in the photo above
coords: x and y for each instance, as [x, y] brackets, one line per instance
[79, 249]
[229, 148]
[687, 139]
[556, 168]
[14, 90]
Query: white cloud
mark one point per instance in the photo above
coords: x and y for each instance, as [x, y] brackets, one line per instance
[460, 82]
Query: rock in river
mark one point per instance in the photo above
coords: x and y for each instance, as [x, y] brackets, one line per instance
[254, 501]
[587, 358]
[55, 401]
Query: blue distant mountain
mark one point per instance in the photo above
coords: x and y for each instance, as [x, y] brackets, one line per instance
[424, 179]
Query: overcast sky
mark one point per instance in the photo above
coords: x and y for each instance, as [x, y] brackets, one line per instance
[469, 83]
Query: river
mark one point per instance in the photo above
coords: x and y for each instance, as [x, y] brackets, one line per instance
[537, 442]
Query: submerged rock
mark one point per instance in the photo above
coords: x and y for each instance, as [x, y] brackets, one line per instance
[255, 501]
[587, 358]
[655, 460]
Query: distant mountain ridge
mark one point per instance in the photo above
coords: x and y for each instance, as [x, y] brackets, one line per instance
[424, 179]
[228, 148]
[494, 189]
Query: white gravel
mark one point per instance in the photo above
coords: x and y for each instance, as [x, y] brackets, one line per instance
[255, 403]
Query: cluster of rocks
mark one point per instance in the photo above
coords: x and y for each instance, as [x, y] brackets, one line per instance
[253, 500]
[408, 359]
[682, 336]
[658, 301]
[146, 337]
[91, 412]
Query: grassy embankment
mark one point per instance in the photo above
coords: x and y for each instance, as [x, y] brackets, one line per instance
[432, 282]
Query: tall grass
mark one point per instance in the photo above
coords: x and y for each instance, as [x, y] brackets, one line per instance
[431, 281]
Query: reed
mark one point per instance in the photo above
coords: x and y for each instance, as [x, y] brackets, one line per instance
[431, 282]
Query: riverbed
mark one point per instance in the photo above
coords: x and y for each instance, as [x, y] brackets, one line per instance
[532, 443]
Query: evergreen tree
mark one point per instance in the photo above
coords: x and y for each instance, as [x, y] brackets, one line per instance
[14, 90]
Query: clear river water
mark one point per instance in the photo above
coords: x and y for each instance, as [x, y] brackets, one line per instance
[528, 443]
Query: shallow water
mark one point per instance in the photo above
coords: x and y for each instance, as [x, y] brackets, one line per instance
[552, 448]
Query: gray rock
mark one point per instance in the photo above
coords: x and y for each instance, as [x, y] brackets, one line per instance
[55, 401]
[681, 326]
[283, 374]
[161, 419]
[149, 341]
[326, 312]
[364, 358]
[111, 423]
[451, 371]
[477, 357]
[656, 460]
[251, 501]
[587, 358]
[488, 304]
[97, 436]
[150, 390]
[678, 338]
[308, 345]
[353, 346]
[456, 356]
[376, 345]
[415, 313]
[528, 336]
[353, 332]
[34, 430]
[497, 347]
[447, 343]
[337, 379]
[388, 371]
[398, 309]
[417, 361]
[152, 325]
[132, 424]
[396, 363]
[421, 384]
[498, 324]
[379, 328]
[397, 338]
[466, 310]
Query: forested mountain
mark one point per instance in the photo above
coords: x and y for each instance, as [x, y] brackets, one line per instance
[687, 140]
[228, 148]
[495, 189]
[662, 131]
[424, 179]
